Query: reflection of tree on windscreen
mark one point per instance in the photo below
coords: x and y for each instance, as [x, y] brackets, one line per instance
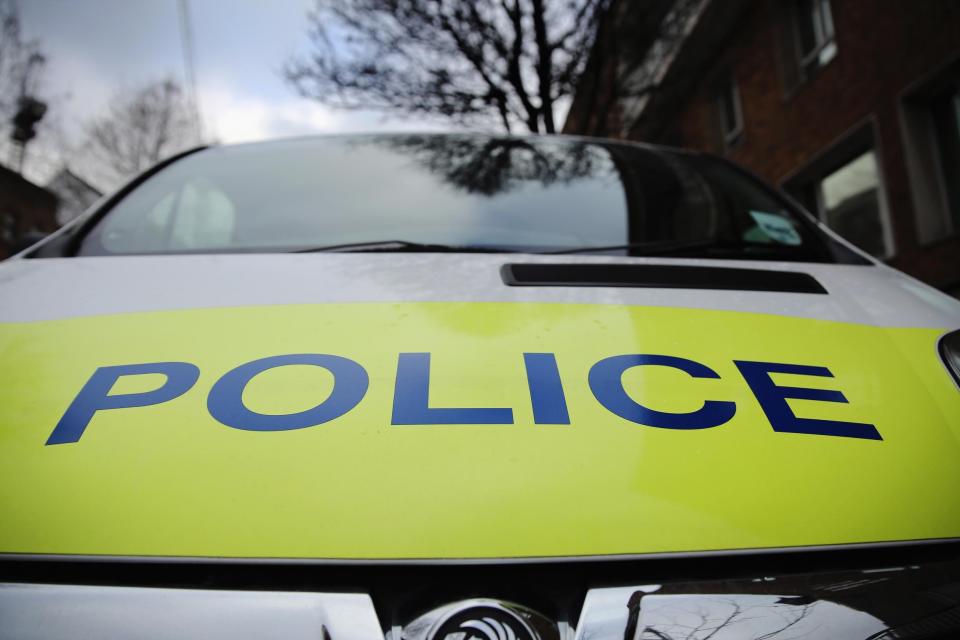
[705, 623]
[718, 618]
[490, 166]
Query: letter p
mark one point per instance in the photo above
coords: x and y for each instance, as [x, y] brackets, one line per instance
[94, 396]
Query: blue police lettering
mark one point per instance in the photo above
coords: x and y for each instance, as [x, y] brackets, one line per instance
[93, 397]
[773, 400]
[606, 383]
[411, 398]
[546, 389]
[225, 402]
[411, 404]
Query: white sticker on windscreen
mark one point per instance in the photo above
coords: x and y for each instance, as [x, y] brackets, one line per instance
[777, 228]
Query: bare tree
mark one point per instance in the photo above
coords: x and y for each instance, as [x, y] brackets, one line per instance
[490, 166]
[20, 61]
[635, 43]
[141, 128]
[21, 67]
[711, 617]
[497, 61]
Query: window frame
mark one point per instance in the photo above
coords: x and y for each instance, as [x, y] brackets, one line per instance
[933, 209]
[824, 32]
[729, 90]
[849, 146]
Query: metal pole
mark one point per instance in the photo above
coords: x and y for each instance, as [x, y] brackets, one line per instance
[186, 39]
[21, 156]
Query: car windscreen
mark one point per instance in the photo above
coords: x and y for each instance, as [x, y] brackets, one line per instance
[466, 192]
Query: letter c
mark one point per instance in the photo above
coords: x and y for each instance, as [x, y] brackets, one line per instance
[606, 383]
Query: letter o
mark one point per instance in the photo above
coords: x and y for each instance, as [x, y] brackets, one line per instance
[225, 402]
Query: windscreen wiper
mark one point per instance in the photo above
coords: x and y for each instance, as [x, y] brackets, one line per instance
[648, 248]
[401, 246]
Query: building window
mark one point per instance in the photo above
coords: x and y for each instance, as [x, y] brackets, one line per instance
[845, 190]
[849, 202]
[931, 122]
[814, 33]
[8, 228]
[807, 40]
[945, 110]
[730, 113]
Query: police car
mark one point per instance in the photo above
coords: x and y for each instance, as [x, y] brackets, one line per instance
[460, 386]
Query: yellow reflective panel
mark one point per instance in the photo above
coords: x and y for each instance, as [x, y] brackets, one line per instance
[168, 479]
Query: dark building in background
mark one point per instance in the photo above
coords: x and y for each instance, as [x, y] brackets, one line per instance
[25, 210]
[74, 193]
[852, 106]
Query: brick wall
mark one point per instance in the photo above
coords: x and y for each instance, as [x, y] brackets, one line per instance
[24, 208]
[884, 47]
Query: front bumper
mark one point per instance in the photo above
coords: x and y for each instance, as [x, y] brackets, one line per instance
[907, 591]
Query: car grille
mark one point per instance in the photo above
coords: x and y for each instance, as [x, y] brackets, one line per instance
[905, 591]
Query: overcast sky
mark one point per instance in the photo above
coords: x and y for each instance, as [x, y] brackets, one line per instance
[96, 47]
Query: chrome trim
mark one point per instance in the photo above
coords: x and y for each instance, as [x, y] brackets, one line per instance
[877, 601]
[895, 602]
[639, 613]
[613, 557]
[62, 612]
[481, 618]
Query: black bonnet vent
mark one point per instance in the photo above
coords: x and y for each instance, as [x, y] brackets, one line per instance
[658, 276]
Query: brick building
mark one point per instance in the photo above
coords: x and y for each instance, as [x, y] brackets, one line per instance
[852, 106]
[25, 209]
[74, 193]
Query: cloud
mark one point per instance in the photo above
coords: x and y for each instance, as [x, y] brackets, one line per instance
[230, 116]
